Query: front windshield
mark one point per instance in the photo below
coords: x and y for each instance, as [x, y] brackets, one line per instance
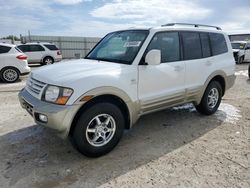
[119, 47]
[238, 45]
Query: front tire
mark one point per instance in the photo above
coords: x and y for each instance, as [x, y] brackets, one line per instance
[99, 129]
[211, 99]
[9, 75]
[240, 60]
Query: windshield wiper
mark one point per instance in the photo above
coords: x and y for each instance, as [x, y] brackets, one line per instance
[109, 60]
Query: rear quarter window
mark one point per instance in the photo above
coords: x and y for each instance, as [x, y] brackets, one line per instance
[51, 47]
[218, 43]
[4, 49]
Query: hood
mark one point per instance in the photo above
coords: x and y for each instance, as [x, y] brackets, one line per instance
[70, 71]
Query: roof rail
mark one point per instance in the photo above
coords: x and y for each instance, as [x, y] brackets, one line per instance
[189, 24]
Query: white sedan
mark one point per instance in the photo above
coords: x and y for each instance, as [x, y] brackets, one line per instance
[13, 63]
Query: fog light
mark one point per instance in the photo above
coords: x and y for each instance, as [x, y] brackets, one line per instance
[43, 118]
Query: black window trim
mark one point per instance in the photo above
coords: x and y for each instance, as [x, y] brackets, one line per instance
[142, 61]
[40, 46]
[182, 44]
[209, 42]
[28, 47]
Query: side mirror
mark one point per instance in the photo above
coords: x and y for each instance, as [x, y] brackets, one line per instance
[153, 57]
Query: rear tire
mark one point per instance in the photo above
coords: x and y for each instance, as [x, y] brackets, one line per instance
[211, 99]
[48, 61]
[98, 130]
[9, 74]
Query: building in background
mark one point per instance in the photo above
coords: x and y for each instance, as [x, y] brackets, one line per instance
[239, 37]
[71, 47]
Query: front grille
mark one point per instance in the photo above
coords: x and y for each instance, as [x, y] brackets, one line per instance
[35, 87]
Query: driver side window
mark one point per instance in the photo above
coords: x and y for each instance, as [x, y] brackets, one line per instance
[168, 44]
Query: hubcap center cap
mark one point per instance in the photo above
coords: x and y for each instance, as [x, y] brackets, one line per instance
[99, 129]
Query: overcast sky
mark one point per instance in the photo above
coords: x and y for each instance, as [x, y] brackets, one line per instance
[98, 17]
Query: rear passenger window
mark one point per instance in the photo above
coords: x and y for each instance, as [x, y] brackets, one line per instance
[218, 43]
[168, 44]
[4, 49]
[24, 48]
[191, 45]
[36, 48]
[206, 51]
[51, 47]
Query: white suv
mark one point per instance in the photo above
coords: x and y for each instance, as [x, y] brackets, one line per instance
[241, 50]
[128, 74]
[13, 63]
[43, 53]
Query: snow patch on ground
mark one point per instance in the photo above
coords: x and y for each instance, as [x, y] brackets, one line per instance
[226, 112]
[242, 73]
[189, 106]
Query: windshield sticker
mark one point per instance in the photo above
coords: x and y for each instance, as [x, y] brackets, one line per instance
[132, 44]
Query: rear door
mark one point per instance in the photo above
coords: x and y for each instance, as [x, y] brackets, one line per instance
[204, 53]
[196, 54]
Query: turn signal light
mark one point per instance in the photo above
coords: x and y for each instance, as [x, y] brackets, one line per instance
[62, 100]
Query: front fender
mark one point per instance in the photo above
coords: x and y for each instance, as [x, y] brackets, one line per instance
[133, 106]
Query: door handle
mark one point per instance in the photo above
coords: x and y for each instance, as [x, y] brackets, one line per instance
[178, 68]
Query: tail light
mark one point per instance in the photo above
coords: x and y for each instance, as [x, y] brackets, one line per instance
[22, 57]
[59, 53]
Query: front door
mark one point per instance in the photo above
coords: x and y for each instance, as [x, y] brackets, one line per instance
[162, 85]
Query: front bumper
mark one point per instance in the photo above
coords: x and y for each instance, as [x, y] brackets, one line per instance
[25, 70]
[59, 117]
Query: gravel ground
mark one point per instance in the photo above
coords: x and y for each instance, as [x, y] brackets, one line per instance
[177, 147]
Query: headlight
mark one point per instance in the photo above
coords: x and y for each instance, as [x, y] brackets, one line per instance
[57, 95]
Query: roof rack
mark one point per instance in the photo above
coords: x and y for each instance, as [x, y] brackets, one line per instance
[189, 24]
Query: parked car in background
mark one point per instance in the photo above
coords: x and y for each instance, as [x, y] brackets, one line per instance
[13, 63]
[241, 51]
[128, 74]
[43, 53]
